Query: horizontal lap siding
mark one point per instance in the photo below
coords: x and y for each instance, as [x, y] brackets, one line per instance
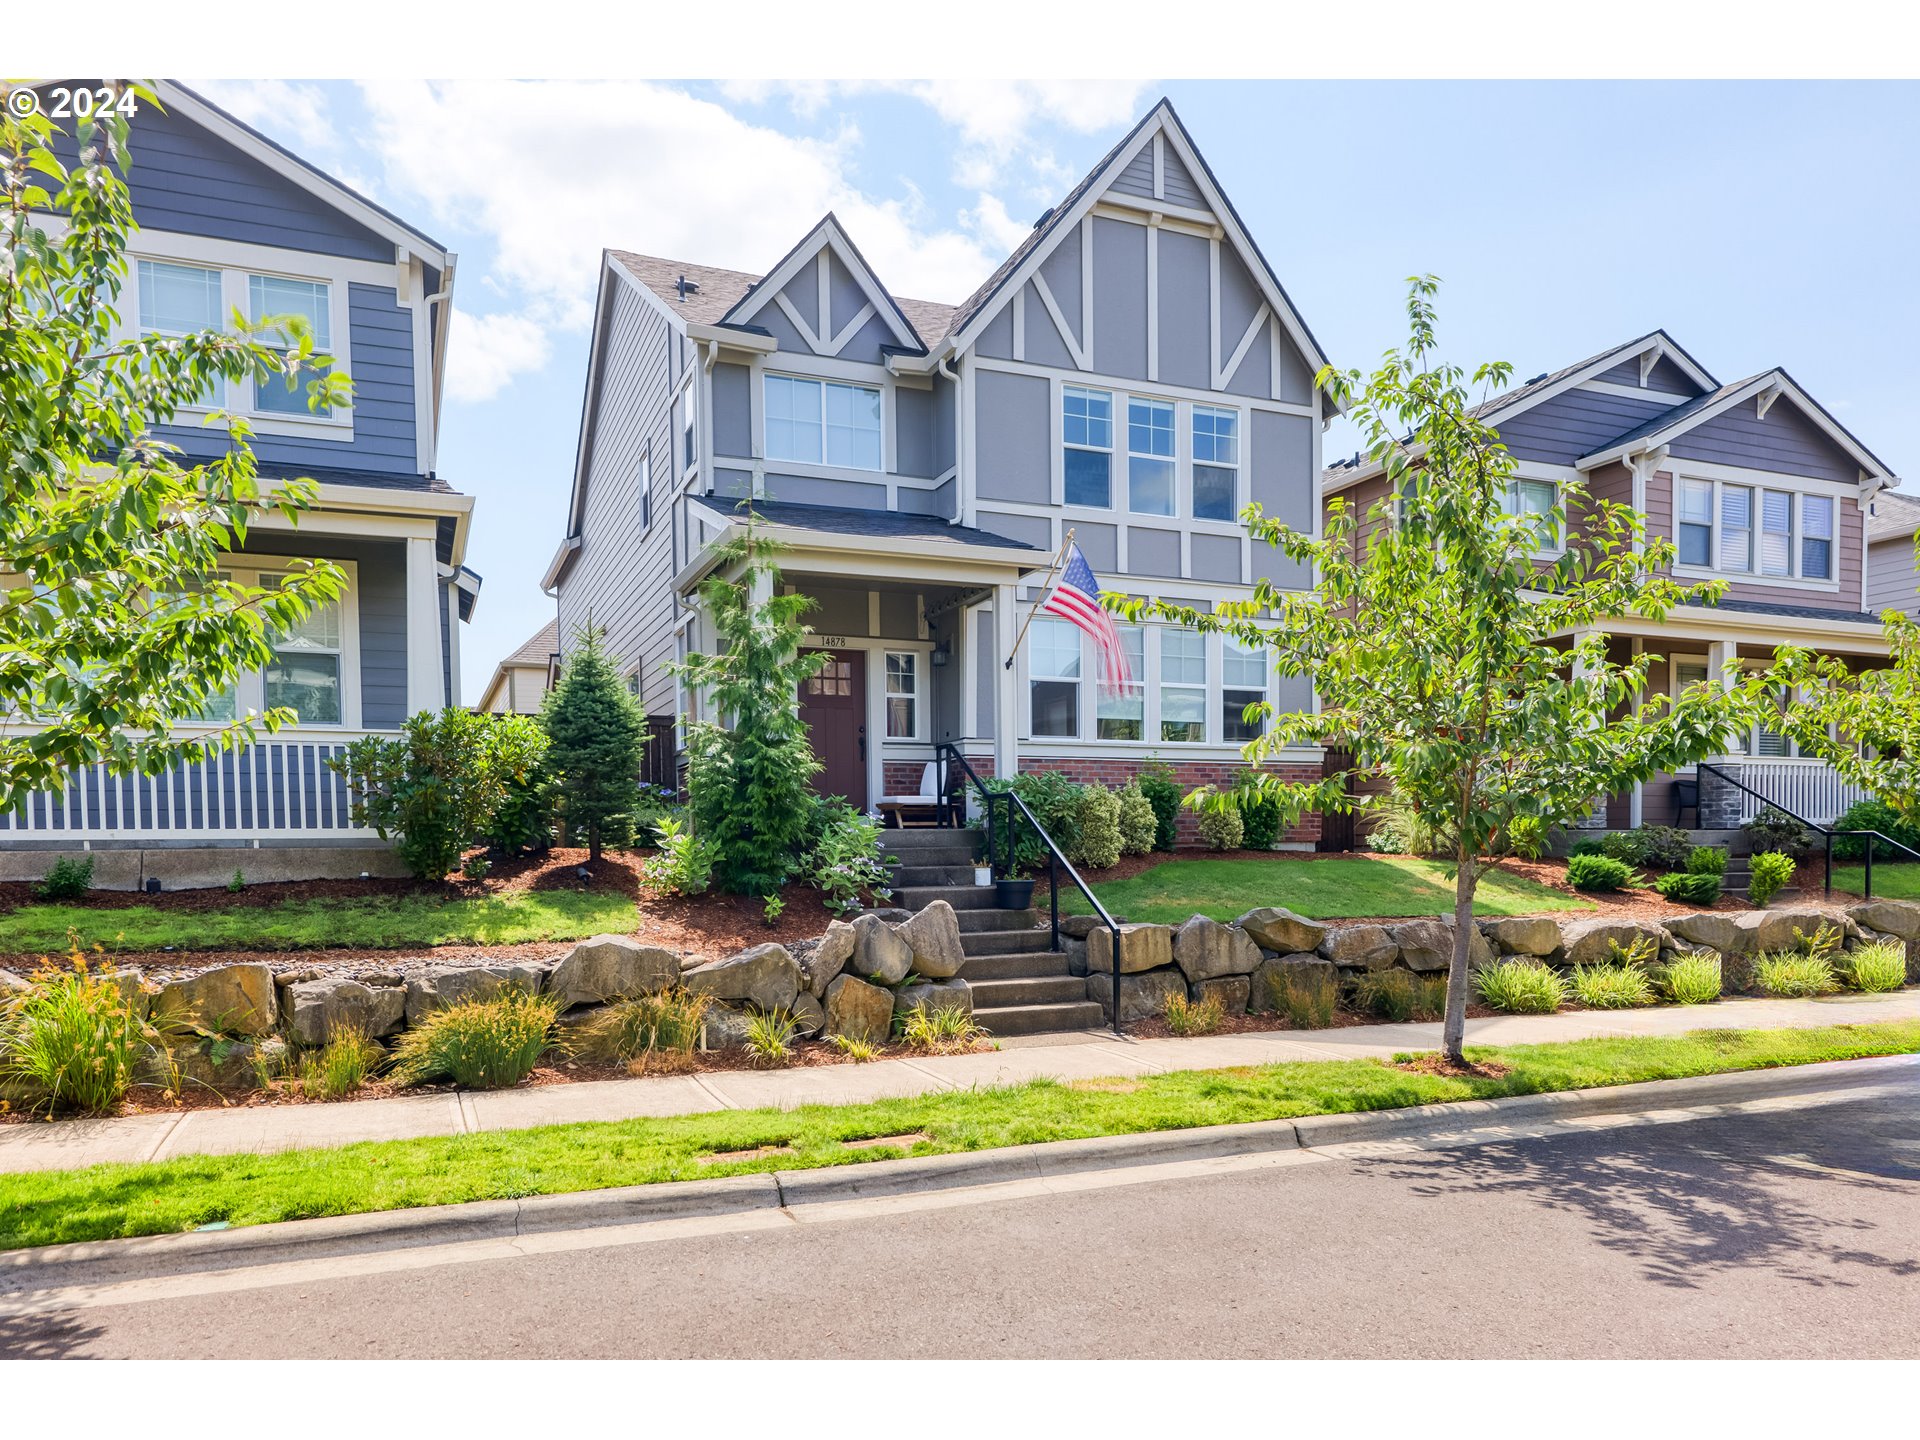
[382, 566]
[1890, 576]
[1561, 430]
[1786, 442]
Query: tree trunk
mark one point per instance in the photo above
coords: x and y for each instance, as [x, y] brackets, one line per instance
[1453, 1035]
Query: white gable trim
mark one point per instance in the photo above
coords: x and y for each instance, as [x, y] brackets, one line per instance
[824, 339]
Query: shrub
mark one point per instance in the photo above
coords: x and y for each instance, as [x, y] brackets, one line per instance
[1874, 815]
[73, 1037]
[1775, 830]
[1260, 822]
[1399, 995]
[1157, 784]
[67, 879]
[1684, 888]
[1055, 803]
[1221, 828]
[1138, 823]
[683, 865]
[1587, 846]
[522, 817]
[1526, 837]
[1194, 1017]
[1306, 994]
[847, 861]
[1400, 828]
[1772, 872]
[1521, 985]
[938, 1028]
[1706, 860]
[434, 788]
[1661, 846]
[1612, 987]
[481, 1044]
[1879, 966]
[769, 1037]
[1098, 844]
[238, 883]
[341, 1066]
[857, 1050]
[1690, 979]
[477, 866]
[666, 1026]
[1793, 975]
[1598, 873]
[597, 741]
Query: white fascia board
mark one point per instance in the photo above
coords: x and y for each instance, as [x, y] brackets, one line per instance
[730, 337]
[399, 504]
[1691, 625]
[939, 561]
[562, 558]
[833, 238]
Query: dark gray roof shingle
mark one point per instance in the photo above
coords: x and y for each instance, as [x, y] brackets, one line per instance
[1893, 514]
[879, 524]
[720, 290]
[539, 649]
[1762, 607]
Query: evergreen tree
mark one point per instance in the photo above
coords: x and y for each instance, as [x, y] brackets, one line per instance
[599, 739]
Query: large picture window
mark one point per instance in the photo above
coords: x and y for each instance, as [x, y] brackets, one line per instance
[822, 422]
[1086, 432]
[270, 296]
[1149, 457]
[1053, 673]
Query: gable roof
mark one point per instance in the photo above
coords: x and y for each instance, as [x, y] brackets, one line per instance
[540, 647]
[828, 234]
[1892, 516]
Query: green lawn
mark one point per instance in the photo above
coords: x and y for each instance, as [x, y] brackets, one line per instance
[375, 923]
[1891, 881]
[1321, 889]
[105, 1201]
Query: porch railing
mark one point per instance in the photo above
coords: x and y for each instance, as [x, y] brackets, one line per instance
[278, 788]
[1809, 788]
[1827, 833]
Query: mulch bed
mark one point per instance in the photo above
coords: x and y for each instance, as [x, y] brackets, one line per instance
[1438, 1064]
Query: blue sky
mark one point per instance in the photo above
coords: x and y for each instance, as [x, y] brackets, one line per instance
[1761, 224]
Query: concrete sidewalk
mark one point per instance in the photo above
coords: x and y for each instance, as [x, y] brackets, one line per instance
[263, 1129]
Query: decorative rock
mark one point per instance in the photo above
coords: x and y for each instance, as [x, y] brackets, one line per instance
[1142, 995]
[892, 914]
[1360, 947]
[1266, 982]
[132, 986]
[1274, 928]
[229, 1000]
[1231, 990]
[444, 985]
[764, 976]
[822, 965]
[1716, 930]
[809, 1014]
[1523, 934]
[612, 967]
[858, 1010]
[1142, 947]
[1427, 945]
[1591, 942]
[12, 984]
[723, 1028]
[314, 1011]
[218, 1062]
[1207, 950]
[934, 937]
[1895, 917]
[1774, 929]
[1080, 926]
[935, 995]
[878, 951]
[1076, 951]
[294, 977]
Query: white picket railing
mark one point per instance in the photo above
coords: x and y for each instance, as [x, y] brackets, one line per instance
[1807, 788]
[277, 789]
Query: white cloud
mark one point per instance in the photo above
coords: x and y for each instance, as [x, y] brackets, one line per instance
[998, 229]
[486, 352]
[295, 113]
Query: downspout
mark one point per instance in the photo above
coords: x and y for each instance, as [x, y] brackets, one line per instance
[945, 369]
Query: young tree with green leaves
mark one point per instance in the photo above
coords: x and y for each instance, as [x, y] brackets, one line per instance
[1451, 659]
[750, 773]
[598, 735]
[120, 624]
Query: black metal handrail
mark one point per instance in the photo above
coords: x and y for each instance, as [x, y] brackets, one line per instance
[1056, 861]
[1826, 831]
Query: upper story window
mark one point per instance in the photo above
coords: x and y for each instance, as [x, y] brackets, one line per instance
[823, 422]
[689, 411]
[1086, 427]
[269, 296]
[1760, 530]
[1216, 463]
[181, 300]
[646, 493]
[1150, 457]
[1816, 537]
[1534, 500]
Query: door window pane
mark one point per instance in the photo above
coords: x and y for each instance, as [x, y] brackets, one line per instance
[1816, 537]
[1149, 457]
[271, 296]
[1736, 527]
[1122, 715]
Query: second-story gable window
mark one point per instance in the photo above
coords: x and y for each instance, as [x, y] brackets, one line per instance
[270, 296]
[823, 422]
[1760, 530]
[1696, 523]
[1086, 430]
[1534, 500]
[1150, 457]
[1816, 537]
[1216, 463]
[181, 300]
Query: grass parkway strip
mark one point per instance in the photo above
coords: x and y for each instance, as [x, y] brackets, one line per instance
[111, 1201]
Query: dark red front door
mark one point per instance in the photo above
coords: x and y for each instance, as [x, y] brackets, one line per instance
[834, 705]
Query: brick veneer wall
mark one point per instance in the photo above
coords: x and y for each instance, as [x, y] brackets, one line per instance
[1187, 774]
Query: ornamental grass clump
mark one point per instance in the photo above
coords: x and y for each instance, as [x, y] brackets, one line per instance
[1399, 995]
[1873, 968]
[1521, 985]
[1790, 974]
[938, 1028]
[647, 1031]
[1187, 1016]
[72, 1040]
[341, 1066]
[1612, 987]
[769, 1037]
[1690, 979]
[1307, 995]
[481, 1044]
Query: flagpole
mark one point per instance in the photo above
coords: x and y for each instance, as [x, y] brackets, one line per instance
[1058, 556]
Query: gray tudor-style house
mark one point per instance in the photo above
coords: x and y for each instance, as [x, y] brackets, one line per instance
[1755, 484]
[1133, 375]
[229, 220]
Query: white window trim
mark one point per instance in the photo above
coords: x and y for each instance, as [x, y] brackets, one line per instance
[1559, 545]
[921, 664]
[1172, 462]
[251, 684]
[777, 464]
[1111, 450]
[1758, 482]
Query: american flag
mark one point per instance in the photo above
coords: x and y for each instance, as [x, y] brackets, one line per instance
[1076, 597]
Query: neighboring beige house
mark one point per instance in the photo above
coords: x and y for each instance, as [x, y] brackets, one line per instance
[520, 681]
[1892, 582]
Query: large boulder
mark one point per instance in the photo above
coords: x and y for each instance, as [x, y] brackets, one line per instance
[1776, 929]
[442, 985]
[1231, 991]
[935, 995]
[1274, 928]
[1142, 947]
[1143, 995]
[1523, 934]
[823, 962]
[1081, 926]
[764, 976]
[1427, 945]
[1278, 971]
[1729, 932]
[1894, 917]
[612, 967]
[1207, 950]
[809, 1015]
[217, 1061]
[1593, 941]
[314, 1011]
[723, 1028]
[934, 937]
[227, 1000]
[879, 954]
[12, 985]
[859, 1010]
[1360, 947]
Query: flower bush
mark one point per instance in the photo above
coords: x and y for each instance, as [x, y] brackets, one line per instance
[1139, 825]
[847, 860]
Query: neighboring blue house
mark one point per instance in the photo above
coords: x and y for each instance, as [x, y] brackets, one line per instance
[229, 220]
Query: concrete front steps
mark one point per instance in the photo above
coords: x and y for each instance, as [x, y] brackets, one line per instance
[1020, 985]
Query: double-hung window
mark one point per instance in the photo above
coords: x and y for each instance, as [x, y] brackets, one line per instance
[271, 296]
[1086, 432]
[1183, 686]
[1122, 715]
[1533, 500]
[1816, 537]
[1736, 528]
[818, 422]
[181, 300]
[903, 694]
[1150, 457]
[1243, 682]
[1776, 532]
[304, 674]
[1696, 523]
[1216, 463]
[1053, 674]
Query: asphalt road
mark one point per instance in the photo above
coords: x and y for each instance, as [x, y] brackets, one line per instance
[1794, 1234]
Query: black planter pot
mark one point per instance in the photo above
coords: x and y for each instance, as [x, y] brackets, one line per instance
[1013, 894]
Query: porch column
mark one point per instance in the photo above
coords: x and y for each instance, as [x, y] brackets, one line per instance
[425, 685]
[1636, 798]
[1006, 706]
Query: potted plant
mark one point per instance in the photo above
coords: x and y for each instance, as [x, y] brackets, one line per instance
[983, 875]
[1012, 894]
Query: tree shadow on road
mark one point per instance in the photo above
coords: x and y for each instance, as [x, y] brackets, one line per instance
[45, 1337]
[1694, 1200]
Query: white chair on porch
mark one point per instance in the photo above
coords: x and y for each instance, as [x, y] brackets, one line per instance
[926, 805]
